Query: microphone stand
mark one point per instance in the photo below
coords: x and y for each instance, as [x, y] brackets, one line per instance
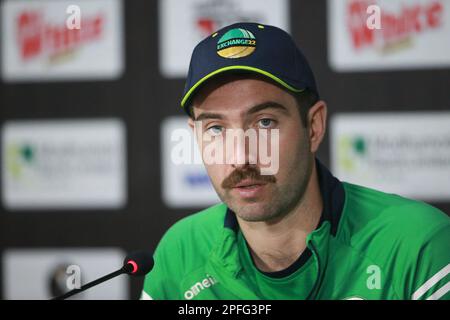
[124, 269]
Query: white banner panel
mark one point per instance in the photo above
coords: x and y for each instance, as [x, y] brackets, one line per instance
[413, 34]
[403, 153]
[38, 274]
[185, 180]
[182, 24]
[40, 40]
[57, 164]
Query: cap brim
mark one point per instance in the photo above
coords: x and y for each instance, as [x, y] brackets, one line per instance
[192, 90]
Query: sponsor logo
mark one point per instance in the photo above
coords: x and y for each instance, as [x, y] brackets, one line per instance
[19, 156]
[57, 40]
[37, 37]
[398, 28]
[54, 271]
[352, 149]
[197, 179]
[198, 287]
[61, 163]
[213, 15]
[385, 34]
[185, 182]
[386, 151]
[236, 43]
[201, 18]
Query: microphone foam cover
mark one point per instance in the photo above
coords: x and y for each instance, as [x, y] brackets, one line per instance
[141, 262]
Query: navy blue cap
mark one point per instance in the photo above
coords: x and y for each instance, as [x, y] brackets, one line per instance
[249, 47]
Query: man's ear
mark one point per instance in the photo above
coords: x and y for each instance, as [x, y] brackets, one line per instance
[317, 123]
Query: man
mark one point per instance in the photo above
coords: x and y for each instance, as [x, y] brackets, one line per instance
[298, 233]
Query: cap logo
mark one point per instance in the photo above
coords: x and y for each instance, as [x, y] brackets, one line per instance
[236, 43]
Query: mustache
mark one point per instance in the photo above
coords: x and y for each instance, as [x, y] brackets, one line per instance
[251, 173]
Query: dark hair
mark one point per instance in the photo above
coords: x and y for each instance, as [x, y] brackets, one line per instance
[190, 111]
[305, 100]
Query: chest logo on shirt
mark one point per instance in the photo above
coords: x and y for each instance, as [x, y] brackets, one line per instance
[199, 286]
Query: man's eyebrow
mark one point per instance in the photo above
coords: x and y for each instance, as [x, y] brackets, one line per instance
[254, 109]
[268, 105]
[208, 115]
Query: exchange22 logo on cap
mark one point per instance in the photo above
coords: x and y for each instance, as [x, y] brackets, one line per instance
[236, 43]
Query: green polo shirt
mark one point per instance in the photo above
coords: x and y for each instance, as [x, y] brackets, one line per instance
[368, 245]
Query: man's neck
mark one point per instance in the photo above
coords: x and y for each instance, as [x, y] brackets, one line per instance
[276, 245]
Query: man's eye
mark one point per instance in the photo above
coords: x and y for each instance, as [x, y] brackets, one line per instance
[215, 130]
[266, 123]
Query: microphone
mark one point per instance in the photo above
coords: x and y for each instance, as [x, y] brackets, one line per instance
[138, 263]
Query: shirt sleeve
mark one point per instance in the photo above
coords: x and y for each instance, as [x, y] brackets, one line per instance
[161, 282]
[431, 275]
[154, 282]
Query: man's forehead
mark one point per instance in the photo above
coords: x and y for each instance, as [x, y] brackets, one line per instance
[238, 93]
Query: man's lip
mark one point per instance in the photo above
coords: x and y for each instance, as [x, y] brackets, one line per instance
[248, 183]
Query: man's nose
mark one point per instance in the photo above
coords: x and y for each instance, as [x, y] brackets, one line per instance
[242, 153]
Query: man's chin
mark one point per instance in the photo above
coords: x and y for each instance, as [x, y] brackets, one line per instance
[253, 212]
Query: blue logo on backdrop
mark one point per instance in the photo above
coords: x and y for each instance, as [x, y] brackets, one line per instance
[196, 179]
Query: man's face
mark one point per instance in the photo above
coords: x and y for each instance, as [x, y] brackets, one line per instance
[251, 103]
